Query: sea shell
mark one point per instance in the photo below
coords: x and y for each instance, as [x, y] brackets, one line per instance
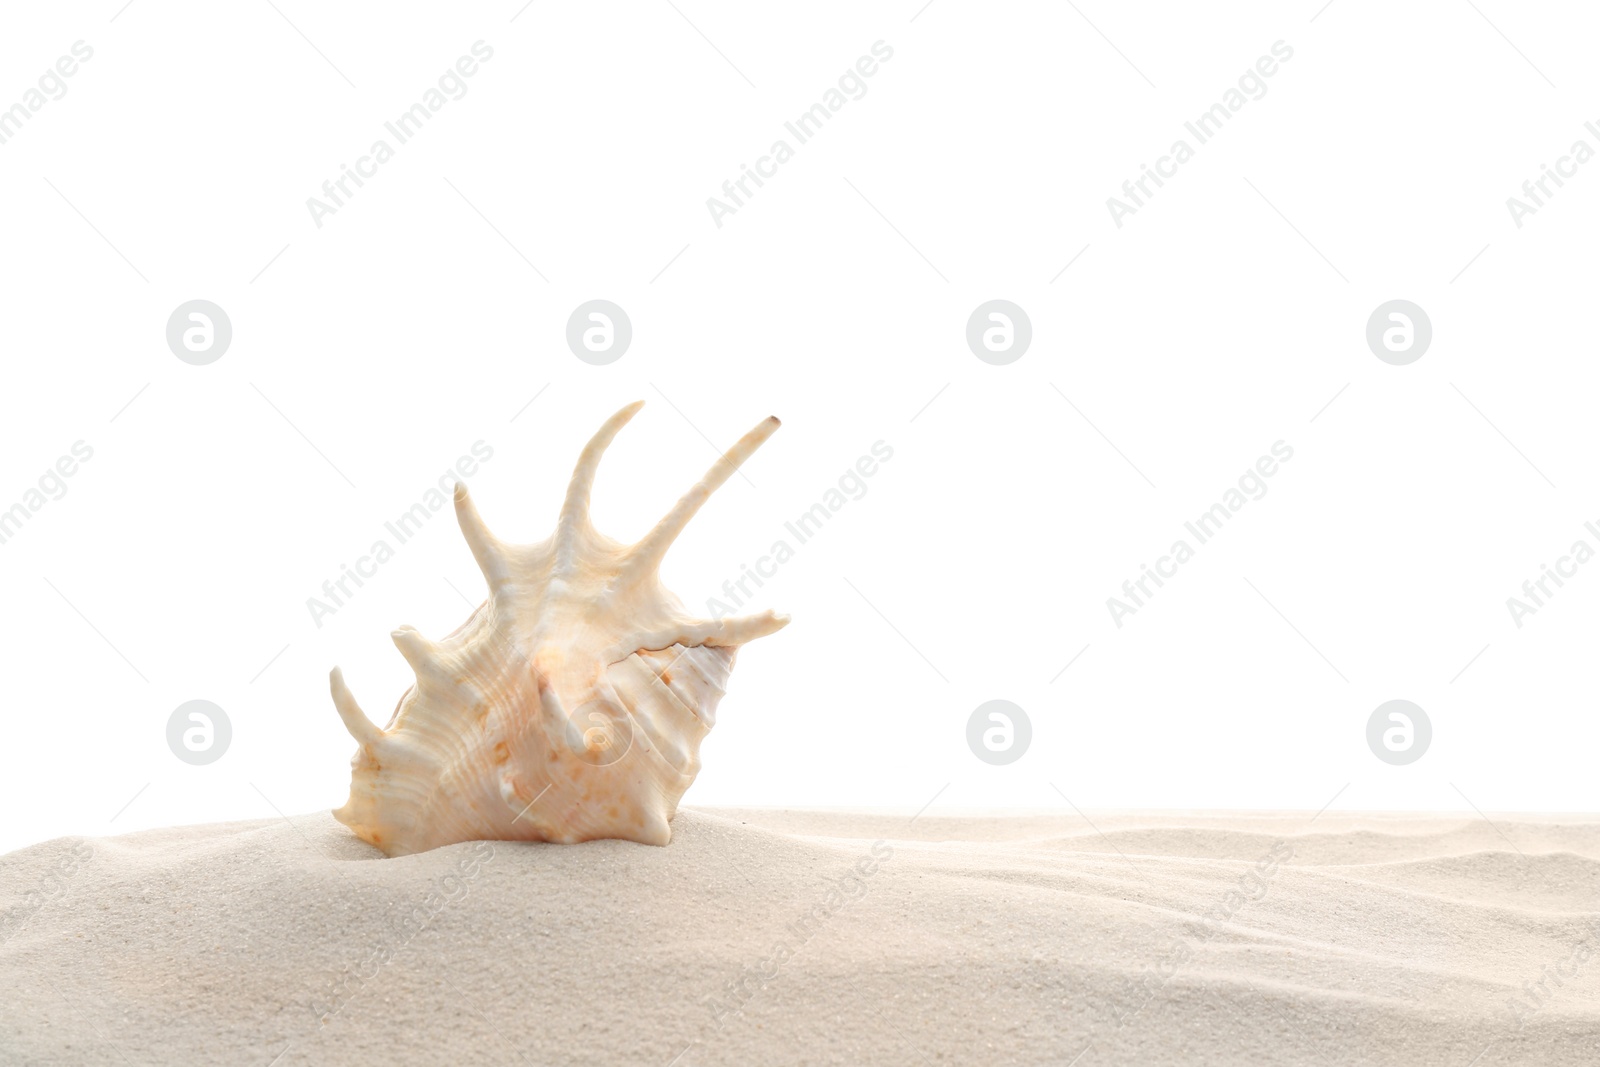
[569, 706]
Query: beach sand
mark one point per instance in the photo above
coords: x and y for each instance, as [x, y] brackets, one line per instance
[795, 937]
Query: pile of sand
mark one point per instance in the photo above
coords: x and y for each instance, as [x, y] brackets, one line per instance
[762, 937]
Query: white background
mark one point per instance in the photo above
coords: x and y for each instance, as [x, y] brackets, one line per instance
[1222, 317]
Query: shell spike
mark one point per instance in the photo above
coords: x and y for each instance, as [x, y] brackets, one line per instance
[575, 509]
[732, 631]
[648, 553]
[486, 548]
[740, 629]
[355, 720]
[418, 650]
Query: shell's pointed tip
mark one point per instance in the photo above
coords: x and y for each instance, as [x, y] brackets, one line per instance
[361, 728]
[460, 492]
[781, 619]
[776, 422]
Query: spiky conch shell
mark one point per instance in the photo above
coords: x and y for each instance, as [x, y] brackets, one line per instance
[570, 706]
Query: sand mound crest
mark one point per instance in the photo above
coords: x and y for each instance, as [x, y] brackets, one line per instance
[814, 937]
